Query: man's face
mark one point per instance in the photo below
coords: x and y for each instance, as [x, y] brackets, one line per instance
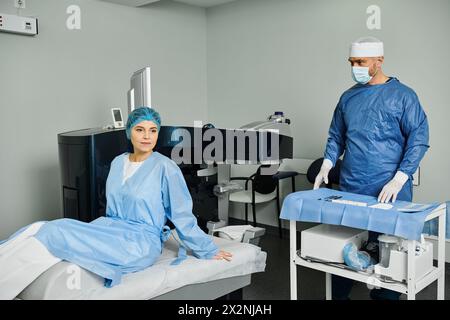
[374, 63]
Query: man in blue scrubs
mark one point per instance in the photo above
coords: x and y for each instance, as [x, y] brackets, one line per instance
[382, 131]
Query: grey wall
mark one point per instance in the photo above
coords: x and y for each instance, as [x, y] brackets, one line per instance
[236, 64]
[64, 80]
[291, 55]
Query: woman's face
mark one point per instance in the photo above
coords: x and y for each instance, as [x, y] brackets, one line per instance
[144, 136]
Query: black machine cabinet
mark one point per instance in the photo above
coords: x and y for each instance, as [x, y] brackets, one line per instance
[85, 157]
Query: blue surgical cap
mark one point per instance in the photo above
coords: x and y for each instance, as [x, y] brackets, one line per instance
[142, 114]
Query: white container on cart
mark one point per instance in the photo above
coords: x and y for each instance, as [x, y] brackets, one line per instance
[394, 260]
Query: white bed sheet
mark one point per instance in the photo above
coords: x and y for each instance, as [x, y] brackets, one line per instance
[67, 281]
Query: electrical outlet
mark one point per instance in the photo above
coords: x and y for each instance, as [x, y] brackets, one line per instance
[19, 4]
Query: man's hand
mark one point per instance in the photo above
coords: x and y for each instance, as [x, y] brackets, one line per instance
[392, 188]
[223, 255]
[323, 173]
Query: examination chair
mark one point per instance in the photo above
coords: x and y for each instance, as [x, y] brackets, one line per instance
[263, 188]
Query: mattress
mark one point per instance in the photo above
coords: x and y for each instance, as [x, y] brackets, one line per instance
[67, 281]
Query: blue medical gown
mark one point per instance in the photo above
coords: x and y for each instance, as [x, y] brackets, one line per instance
[382, 129]
[130, 237]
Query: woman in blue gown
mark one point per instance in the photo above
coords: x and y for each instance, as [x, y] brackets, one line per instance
[144, 189]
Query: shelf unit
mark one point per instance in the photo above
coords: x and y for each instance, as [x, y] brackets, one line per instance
[411, 288]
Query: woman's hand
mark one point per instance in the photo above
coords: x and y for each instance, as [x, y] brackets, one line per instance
[223, 255]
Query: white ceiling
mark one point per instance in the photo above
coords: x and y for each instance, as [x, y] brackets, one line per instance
[205, 3]
[132, 3]
[198, 3]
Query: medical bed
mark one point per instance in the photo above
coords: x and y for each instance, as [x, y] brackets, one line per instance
[192, 279]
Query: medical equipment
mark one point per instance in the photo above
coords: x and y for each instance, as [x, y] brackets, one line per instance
[222, 188]
[117, 117]
[278, 116]
[352, 203]
[242, 233]
[393, 259]
[386, 245]
[275, 121]
[278, 132]
[140, 93]
[18, 24]
[329, 198]
[304, 206]
[356, 259]
[326, 242]
[384, 206]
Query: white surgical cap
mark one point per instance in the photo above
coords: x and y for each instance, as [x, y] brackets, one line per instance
[366, 47]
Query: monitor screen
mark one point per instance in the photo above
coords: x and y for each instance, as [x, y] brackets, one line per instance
[140, 94]
[117, 115]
